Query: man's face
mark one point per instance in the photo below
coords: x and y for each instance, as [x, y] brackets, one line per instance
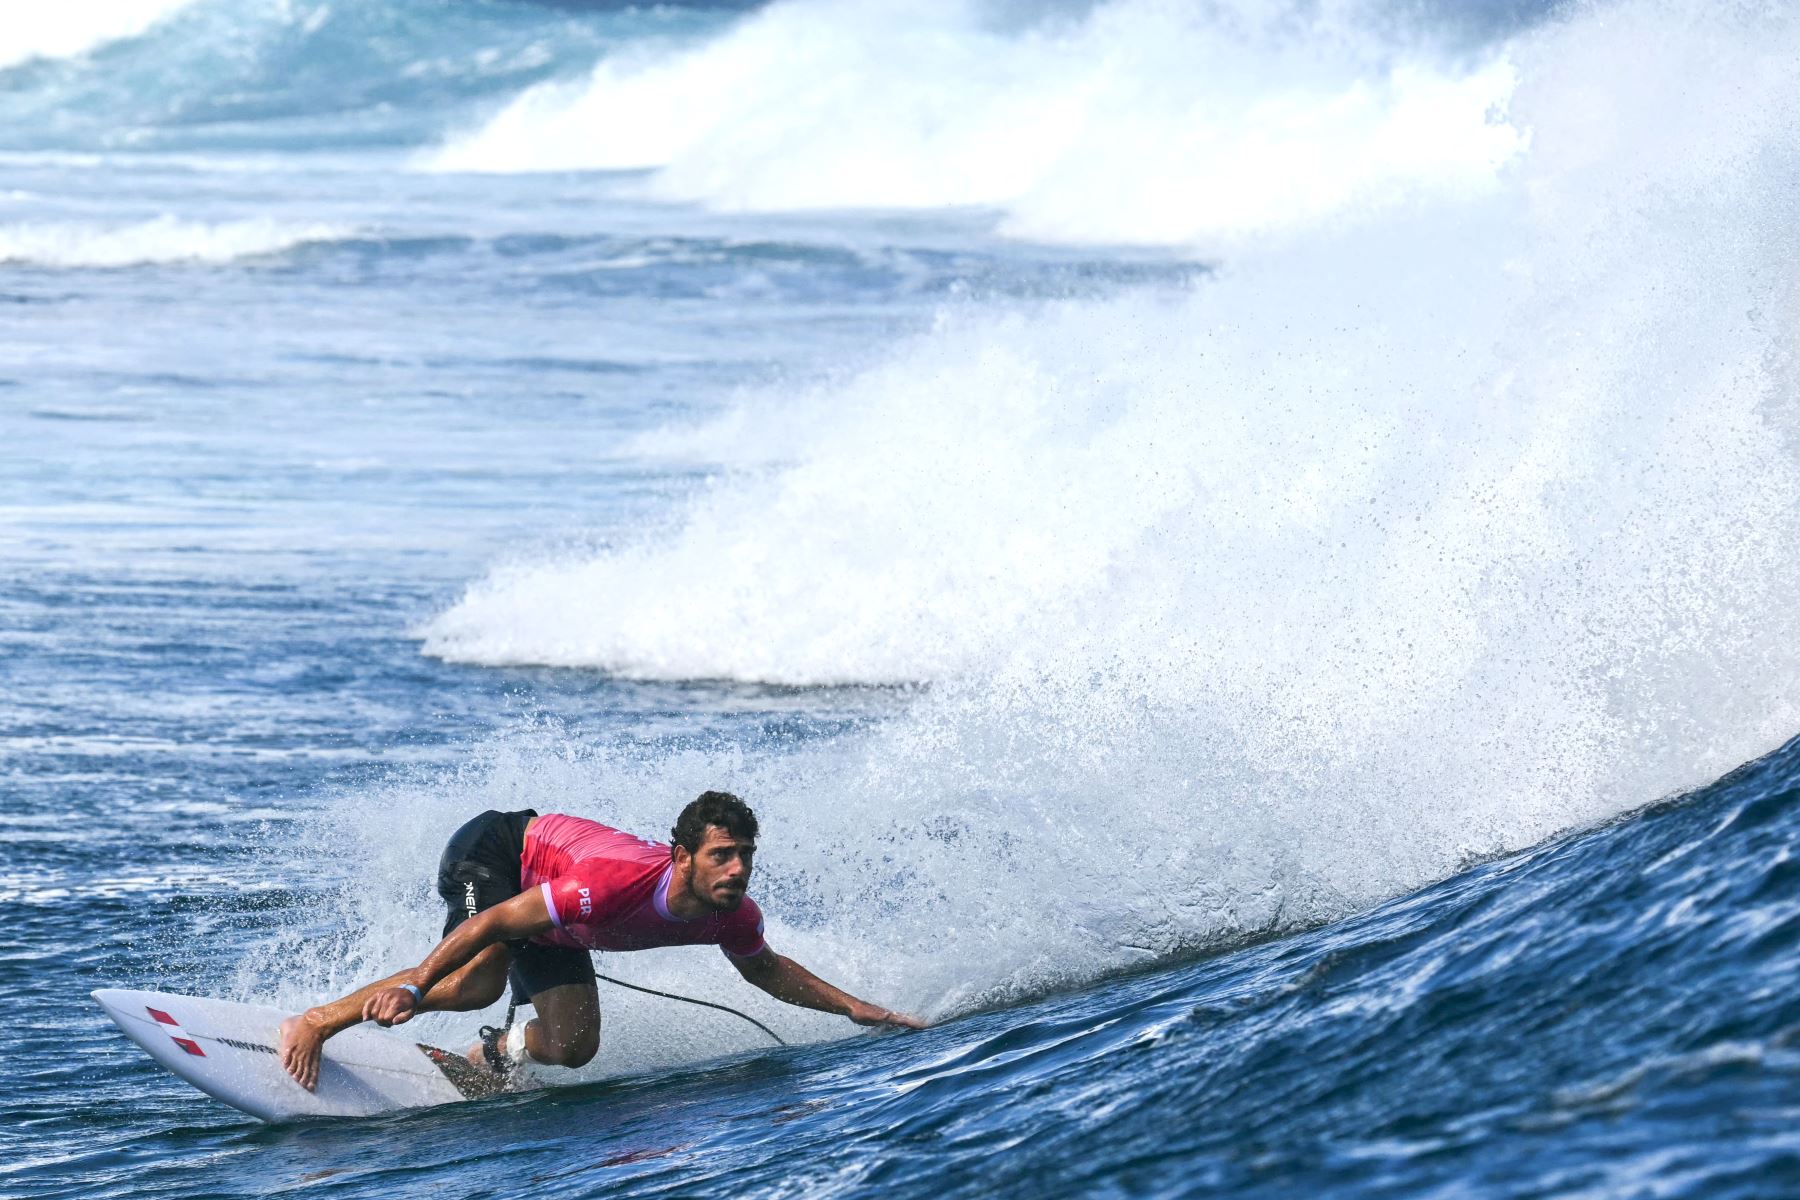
[722, 869]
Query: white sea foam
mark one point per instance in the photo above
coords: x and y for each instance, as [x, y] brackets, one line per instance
[1242, 605]
[164, 239]
[1142, 121]
[72, 27]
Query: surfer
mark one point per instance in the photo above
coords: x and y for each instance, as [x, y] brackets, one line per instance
[531, 896]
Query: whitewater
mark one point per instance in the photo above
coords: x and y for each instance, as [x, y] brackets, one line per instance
[1237, 551]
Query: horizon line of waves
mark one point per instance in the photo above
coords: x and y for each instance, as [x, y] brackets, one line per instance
[703, 263]
[157, 241]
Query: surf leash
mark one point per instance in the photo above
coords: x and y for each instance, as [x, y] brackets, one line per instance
[512, 1009]
[690, 1000]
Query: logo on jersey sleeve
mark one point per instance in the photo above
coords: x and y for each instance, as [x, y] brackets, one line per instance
[587, 901]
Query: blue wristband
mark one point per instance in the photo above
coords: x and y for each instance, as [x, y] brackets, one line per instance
[418, 996]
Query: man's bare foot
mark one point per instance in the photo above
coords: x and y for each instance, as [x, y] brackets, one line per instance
[479, 1061]
[301, 1046]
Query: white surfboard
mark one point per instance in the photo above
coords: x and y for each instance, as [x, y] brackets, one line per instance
[228, 1051]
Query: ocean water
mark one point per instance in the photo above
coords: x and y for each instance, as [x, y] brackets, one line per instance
[1243, 553]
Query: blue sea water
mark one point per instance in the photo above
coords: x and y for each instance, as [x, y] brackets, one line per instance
[1242, 553]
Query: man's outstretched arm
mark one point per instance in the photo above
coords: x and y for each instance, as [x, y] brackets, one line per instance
[524, 916]
[302, 1038]
[787, 980]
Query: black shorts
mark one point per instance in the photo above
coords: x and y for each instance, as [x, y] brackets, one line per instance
[480, 868]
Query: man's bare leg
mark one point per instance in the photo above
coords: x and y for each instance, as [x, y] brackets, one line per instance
[476, 984]
[566, 1030]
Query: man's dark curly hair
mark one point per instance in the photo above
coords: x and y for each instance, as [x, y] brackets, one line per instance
[713, 808]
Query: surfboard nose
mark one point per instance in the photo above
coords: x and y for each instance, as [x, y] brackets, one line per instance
[110, 999]
[229, 1050]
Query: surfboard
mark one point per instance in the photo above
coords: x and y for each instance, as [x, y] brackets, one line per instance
[227, 1050]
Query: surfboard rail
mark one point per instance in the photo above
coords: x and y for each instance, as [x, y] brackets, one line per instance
[228, 1050]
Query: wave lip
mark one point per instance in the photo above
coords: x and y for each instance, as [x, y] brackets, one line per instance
[75, 27]
[158, 241]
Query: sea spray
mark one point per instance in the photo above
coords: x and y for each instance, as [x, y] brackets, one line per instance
[1136, 121]
[1246, 604]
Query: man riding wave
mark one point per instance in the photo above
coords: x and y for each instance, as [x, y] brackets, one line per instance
[530, 896]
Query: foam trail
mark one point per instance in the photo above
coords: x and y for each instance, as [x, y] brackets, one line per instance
[164, 239]
[1141, 121]
[73, 27]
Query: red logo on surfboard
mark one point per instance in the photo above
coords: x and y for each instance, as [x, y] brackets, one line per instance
[175, 1031]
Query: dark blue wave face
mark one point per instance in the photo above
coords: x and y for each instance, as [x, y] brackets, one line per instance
[1610, 1014]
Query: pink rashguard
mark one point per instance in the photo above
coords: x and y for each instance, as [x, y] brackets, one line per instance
[609, 890]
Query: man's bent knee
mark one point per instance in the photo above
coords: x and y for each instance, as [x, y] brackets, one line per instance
[579, 1055]
[575, 1051]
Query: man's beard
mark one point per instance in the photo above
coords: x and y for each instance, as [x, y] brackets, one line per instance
[713, 904]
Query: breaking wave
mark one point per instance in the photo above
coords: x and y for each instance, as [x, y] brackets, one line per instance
[1139, 121]
[1384, 549]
